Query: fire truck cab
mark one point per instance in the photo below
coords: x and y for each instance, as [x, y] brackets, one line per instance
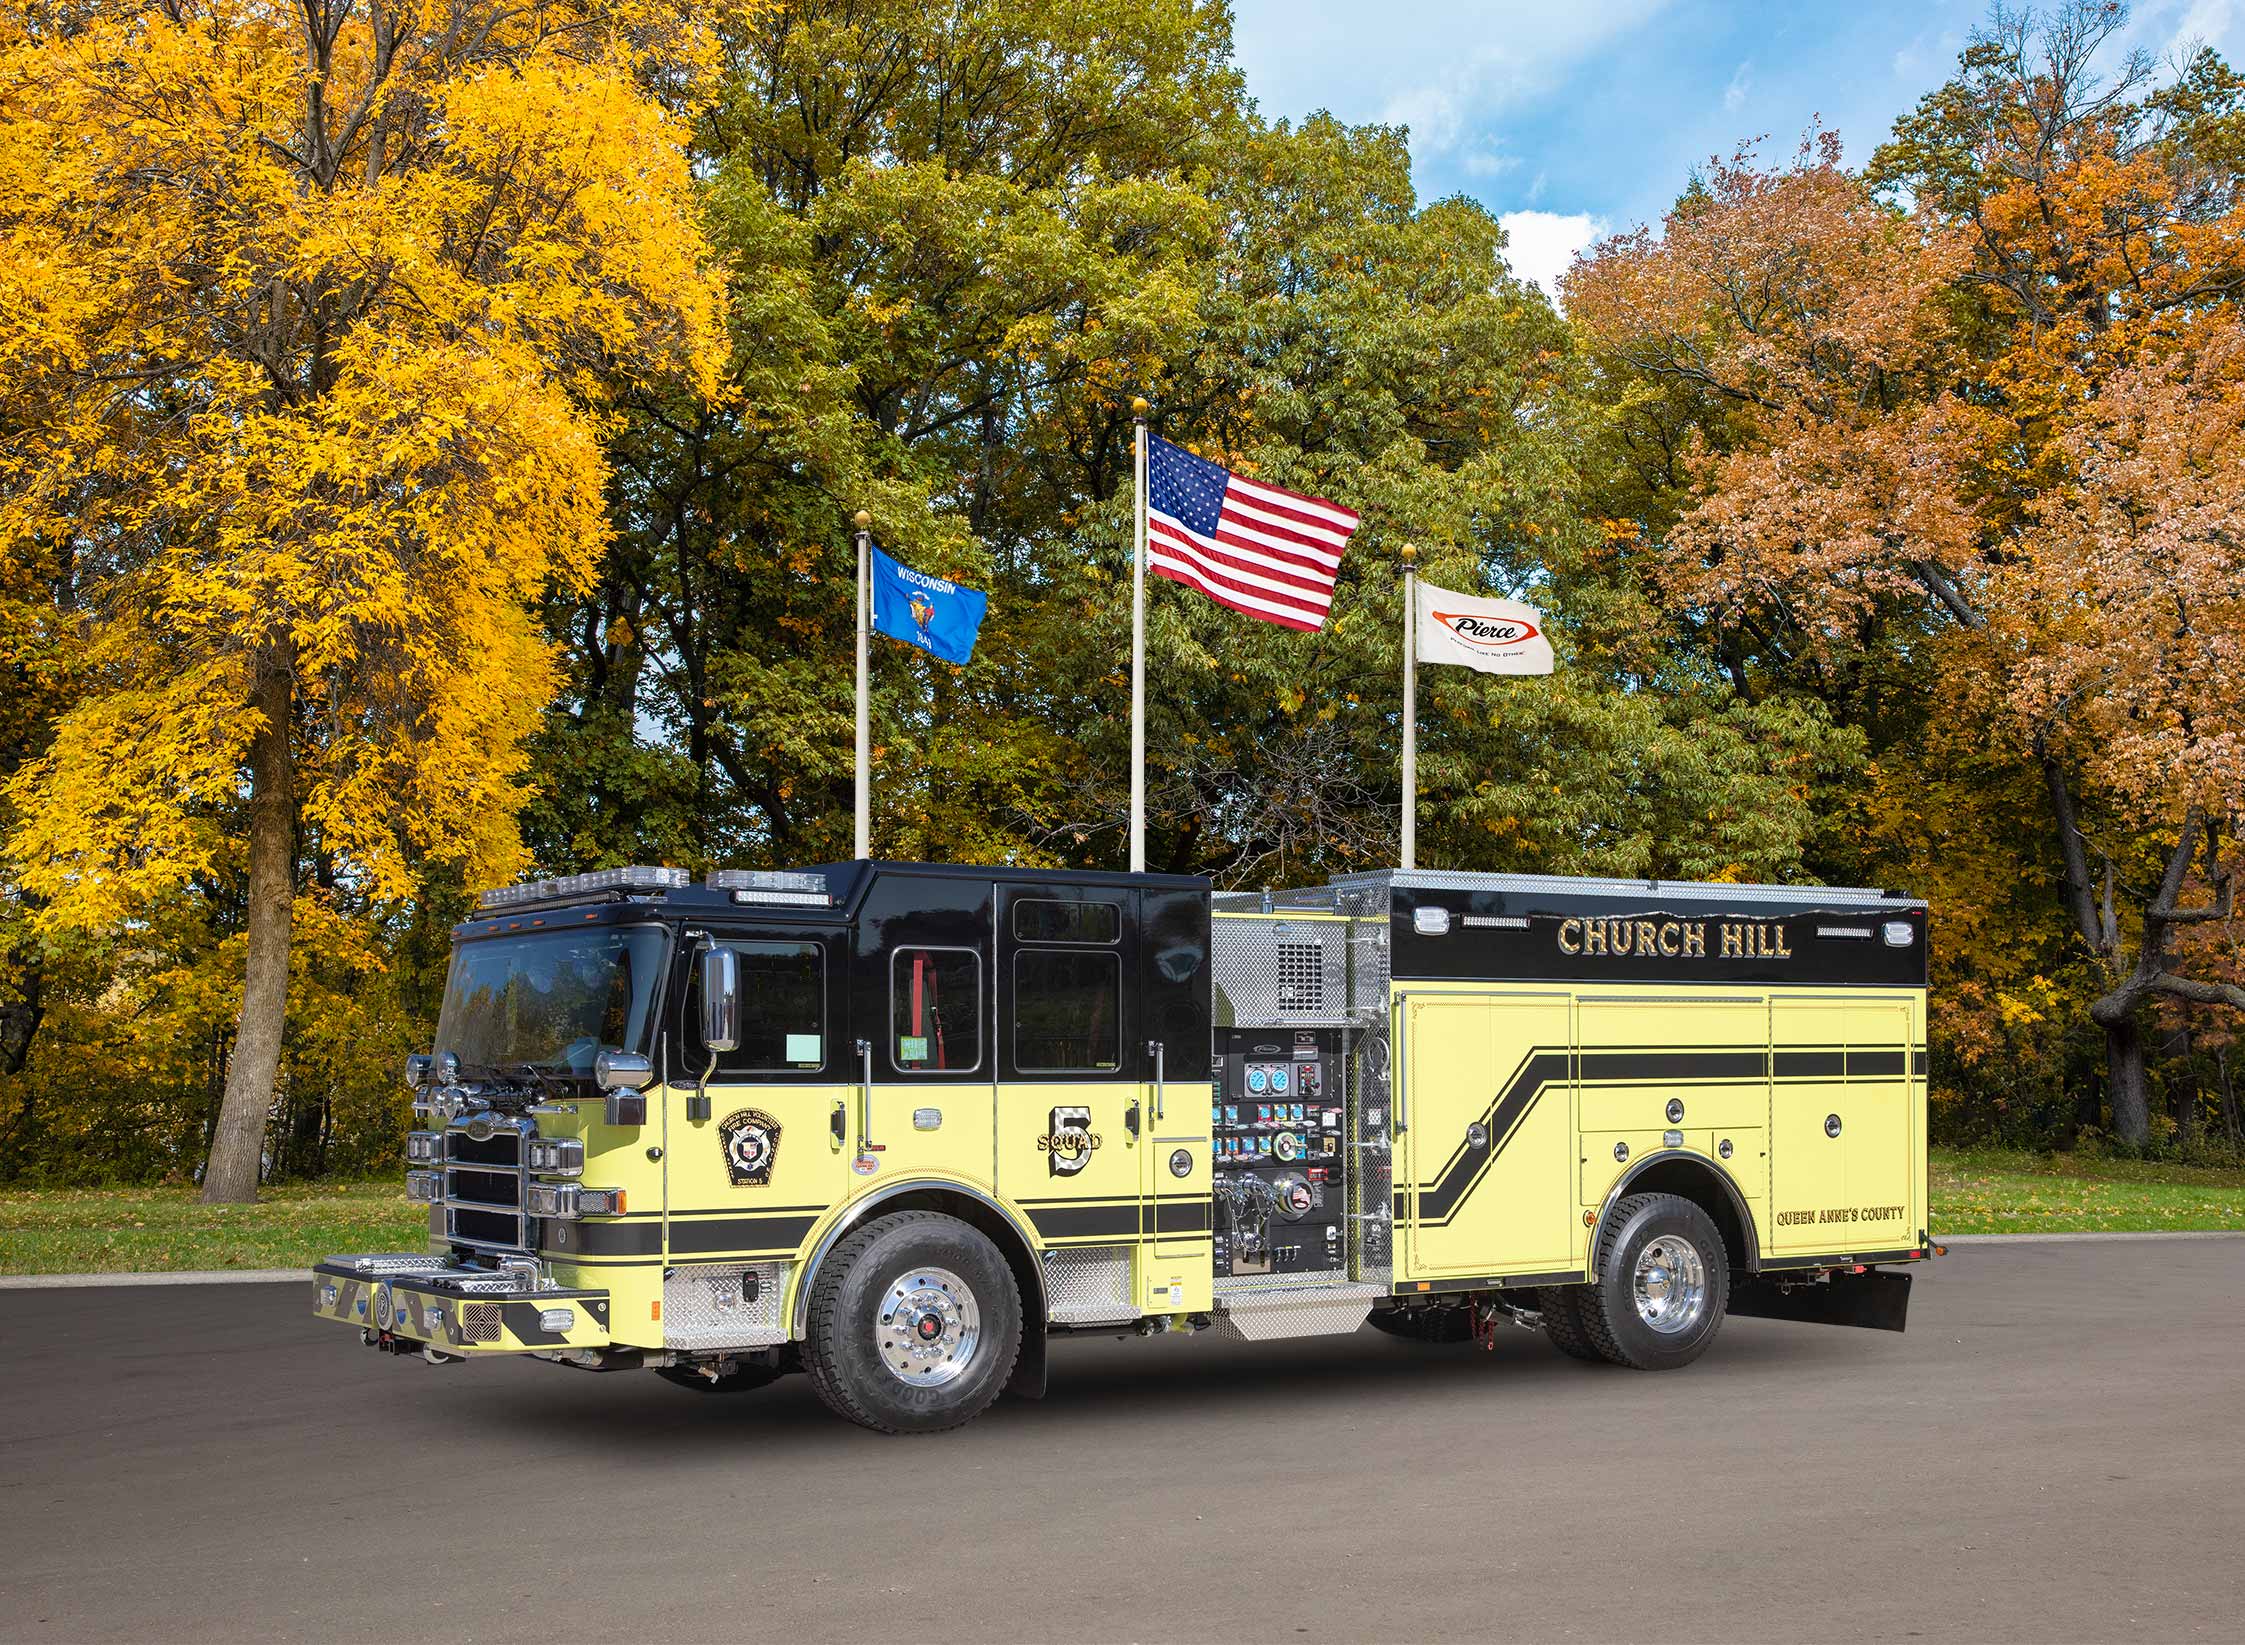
[897, 1124]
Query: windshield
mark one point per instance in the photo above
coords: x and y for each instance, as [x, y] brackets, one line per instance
[551, 1001]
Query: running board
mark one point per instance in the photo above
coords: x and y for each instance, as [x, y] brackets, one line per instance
[1319, 1311]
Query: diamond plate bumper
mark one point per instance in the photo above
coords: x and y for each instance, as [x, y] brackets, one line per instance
[456, 1311]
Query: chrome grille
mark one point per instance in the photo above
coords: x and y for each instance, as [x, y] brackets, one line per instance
[483, 1182]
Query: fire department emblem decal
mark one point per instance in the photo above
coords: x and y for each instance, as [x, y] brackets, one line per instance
[1068, 1141]
[751, 1140]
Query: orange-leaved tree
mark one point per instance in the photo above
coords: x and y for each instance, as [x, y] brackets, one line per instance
[310, 314]
[1938, 411]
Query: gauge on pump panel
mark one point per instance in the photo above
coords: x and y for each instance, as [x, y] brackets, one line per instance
[1258, 1081]
[1279, 1080]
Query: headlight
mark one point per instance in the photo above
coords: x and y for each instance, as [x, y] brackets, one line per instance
[424, 1147]
[557, 1156]
[424, 1187]
[417, 1070]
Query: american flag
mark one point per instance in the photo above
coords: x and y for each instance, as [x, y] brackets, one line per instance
[1270, 553]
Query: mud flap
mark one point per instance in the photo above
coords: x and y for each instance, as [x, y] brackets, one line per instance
[1875, 1301]
[1028, 1379]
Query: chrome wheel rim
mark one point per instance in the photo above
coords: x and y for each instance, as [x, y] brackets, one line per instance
[1670, 1284]
[928, 1325]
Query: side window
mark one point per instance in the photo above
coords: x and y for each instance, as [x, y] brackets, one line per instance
[935, 1010]
[783, 1010]
[1043, 919]
[1067, 1011]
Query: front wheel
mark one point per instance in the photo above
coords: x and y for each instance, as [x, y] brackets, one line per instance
[1663, 1287]
[915, 1322]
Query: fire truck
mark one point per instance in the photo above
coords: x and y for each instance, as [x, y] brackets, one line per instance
[898, 1125]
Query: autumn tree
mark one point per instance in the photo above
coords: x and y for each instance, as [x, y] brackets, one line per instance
[1899, 398]
[313, 312]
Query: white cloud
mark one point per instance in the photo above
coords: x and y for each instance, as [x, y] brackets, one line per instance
[1540, 244]
[1734, 94]
[1445, 68]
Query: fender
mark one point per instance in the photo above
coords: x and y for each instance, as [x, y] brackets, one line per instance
[855, 1213]
[1738, 1204]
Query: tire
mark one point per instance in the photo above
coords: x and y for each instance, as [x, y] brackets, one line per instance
[745, 1377]
[1676, 1249]
[915, 1324]
[1562, 1322]
[1425, 1324]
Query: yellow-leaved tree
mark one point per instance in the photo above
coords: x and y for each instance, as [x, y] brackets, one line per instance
[308, 313]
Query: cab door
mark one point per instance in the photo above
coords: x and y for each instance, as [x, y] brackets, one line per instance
[750, 1159]
[1074, 1114]
[924, 1084]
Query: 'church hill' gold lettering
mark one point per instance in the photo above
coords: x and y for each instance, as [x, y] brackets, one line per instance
[1674, 939]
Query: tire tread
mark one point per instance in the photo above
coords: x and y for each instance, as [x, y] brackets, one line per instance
[822, 1325]
[1563, 1322]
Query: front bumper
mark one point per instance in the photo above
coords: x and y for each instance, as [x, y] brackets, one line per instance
[428, 1301]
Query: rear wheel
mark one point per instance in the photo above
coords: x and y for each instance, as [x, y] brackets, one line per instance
[915, 1323]
[1562, 1321]
[1663, 1287]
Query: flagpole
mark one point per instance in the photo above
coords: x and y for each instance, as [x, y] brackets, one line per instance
[864, 845]
[1410, 709]
[1138, 410]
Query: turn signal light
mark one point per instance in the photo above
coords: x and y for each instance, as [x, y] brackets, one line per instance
[424, 1187]
[566, 1201]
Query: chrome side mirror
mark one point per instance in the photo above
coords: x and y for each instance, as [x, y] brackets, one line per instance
[721, 999]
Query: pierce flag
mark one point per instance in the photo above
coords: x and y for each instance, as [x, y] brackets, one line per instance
[1494, 636]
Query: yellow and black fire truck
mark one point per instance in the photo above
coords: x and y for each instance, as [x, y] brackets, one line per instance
[896, 1125]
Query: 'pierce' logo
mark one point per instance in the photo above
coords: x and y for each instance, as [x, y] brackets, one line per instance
[1487, 633]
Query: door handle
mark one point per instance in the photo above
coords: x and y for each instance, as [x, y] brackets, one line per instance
[1155, 1047]
[865, 1143]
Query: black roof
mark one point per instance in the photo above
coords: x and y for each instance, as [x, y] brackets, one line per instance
[847, 884]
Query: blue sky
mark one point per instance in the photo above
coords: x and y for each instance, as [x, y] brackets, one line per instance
[1571, 120]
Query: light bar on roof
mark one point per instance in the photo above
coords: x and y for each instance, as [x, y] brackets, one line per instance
[772, 885]
[585, 885]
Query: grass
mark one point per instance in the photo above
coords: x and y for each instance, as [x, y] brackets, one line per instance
[95, 1230]
[1996, 1191]
[120, 1230]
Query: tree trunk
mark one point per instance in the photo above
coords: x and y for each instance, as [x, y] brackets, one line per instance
[2230, 1118]
[2124, 1077]
[238, 1144]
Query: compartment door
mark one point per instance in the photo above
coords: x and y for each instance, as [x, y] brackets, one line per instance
[1487, 1184]
[1809, 1190]
[1880, 1129]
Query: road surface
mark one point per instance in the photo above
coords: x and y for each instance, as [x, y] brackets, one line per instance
[2055, 1451]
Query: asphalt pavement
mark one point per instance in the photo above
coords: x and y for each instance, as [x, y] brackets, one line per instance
[2054, 1451]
